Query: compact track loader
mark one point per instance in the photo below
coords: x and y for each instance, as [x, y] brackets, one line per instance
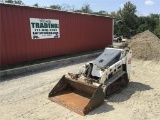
[107, 74]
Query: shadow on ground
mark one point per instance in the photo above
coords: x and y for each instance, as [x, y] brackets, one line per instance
[126, 93]
[102, 109]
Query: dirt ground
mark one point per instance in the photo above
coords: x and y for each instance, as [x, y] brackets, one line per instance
[24, 97]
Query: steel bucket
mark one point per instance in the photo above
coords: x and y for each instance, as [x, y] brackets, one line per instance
[76, 95]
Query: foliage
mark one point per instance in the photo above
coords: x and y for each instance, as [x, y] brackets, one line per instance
[157, 30]
[67, 7]
[150, 22]
[36, 5]
[14, 1]
[102, 13]
[57, 7]
[142, 28]
[132, 24]
[127, 17]
[85, 9]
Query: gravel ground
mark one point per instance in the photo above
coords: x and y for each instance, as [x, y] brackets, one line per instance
[24, 97]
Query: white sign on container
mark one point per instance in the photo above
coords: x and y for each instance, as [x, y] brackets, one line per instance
[44, 28]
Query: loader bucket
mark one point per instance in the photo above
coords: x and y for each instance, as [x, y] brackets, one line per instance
[76, 95]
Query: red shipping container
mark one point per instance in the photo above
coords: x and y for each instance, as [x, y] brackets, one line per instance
[78, 32]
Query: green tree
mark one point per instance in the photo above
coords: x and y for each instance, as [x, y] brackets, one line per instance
[153, 21]
[156, 17]
[57, 7]
[128, 17]
[114, 15]
[67, 7]
[18, 2]
[117, 26]
[14, 1]
[102, 13]
[36, 5]
[78, 11]
[85, 9]
[157, 31]
[150, 22]
[142, 28]
[9, 1]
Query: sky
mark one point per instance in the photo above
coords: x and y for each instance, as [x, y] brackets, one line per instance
[144, 7]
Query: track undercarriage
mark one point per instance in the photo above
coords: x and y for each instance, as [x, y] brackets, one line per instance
[116, 86]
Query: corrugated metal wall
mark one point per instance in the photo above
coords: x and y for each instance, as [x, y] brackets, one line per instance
[77, 33]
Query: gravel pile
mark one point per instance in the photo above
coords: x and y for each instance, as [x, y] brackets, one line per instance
[145, 46]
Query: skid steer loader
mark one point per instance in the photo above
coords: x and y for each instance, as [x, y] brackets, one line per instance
[83, 91]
